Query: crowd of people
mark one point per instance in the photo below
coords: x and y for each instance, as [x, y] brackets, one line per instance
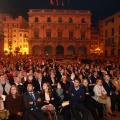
[39, 87]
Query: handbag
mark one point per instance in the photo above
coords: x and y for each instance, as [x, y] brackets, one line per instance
[48, 107]
[64, 104]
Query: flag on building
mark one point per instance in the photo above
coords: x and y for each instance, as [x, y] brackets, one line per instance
[51, 2]
[57, 2]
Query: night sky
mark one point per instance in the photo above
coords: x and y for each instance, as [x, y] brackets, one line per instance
[99, 8]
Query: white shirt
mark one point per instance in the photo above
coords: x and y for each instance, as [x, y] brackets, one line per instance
[99, 90]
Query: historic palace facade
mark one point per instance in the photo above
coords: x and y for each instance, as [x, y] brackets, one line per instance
[53, 31]
[1, 39]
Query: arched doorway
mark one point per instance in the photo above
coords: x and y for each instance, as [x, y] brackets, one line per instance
[36, 50]
[71, 50]
[48, 50]
[59, 50]
[82, 50]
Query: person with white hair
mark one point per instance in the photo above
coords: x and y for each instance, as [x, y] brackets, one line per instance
[4, 87]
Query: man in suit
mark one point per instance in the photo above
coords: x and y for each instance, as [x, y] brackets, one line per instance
[24, 77]
[39, 82]
[94, 77]
[14, 75]
[30, 80]
[110, 89]
[33, 104]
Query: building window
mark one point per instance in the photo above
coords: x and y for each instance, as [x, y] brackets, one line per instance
[112, 52]
[83, 35]
[119, 29]
[119, 52]
[59, 34]
[36, 34]
[48, 19]
[48, 34]
[106, 52]
[20, 46]
[36, 19]
[112, 31]
[14, 35]
[70, 20]
[83, 20]
[59, 19]
[24, 35]
[20, 34]
[106, 33]
[71, 35]
[20, 40]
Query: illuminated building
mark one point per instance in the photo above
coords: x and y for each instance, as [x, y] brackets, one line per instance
[95, 41]
[16, 35]
[59, 32]
[110, 34]
[1, 39]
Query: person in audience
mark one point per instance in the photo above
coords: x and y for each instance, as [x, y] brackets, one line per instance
[92, 104]
[30, 80]
[52, 80]
[102, 97]
[33, 104]
[24, 77]
[71, 78]
[94, 77]
[17, 82]
[65, 85]
[4, 87]
[59, 99]
[110, 89]
[48, 99]
[14, 103]
[77, 97]
[11, 80]
[39, 82]
[116, 83]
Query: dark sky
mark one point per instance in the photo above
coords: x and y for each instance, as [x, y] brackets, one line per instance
[99, 8]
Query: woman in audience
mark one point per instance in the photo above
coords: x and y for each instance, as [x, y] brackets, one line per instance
[48, 99]
[65, 85]
[101, 97]
[92, 104]
[14, 103]
[116, 83]
[60, 103]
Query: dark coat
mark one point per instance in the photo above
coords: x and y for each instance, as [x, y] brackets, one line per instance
[109, 88]
[27, 98]
[14, 105]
